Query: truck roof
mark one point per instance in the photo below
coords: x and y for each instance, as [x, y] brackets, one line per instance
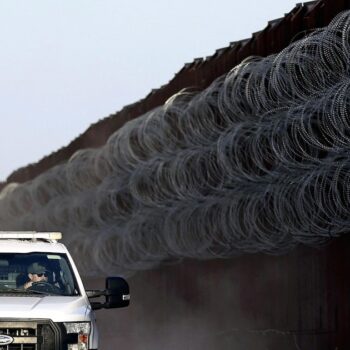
[30, 242]
[26, 246]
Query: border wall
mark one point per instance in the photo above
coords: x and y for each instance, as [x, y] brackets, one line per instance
[298, 301]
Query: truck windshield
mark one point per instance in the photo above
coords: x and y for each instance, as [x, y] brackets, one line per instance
[37, 273]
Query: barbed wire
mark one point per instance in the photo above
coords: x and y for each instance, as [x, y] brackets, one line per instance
[257, 162]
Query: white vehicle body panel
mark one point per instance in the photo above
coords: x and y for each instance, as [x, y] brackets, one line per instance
[61, 309]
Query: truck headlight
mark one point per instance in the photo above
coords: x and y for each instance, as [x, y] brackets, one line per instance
[83, 331]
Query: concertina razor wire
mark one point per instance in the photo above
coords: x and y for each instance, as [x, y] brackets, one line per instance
[257, 162]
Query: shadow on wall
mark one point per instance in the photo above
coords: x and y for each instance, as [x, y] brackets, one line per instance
[254, 302]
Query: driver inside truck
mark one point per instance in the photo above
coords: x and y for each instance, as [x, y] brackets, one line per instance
[36, 273]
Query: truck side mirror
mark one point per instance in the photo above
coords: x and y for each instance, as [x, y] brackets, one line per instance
[117, 293]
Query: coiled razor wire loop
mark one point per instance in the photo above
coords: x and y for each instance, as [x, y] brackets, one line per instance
[257, 162]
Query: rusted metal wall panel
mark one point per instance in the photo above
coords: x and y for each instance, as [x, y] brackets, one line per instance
[296, 301]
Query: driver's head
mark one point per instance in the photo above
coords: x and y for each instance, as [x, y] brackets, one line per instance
[37, 272]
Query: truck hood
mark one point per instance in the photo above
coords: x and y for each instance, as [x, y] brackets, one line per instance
[56, 308]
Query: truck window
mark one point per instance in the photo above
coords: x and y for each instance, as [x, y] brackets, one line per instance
[37, 273]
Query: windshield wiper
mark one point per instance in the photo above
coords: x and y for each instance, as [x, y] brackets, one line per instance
[24, 291]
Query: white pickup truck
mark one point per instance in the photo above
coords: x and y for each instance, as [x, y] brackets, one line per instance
[43, 303]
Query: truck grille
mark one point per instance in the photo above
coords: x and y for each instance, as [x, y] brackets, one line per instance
[31, 335]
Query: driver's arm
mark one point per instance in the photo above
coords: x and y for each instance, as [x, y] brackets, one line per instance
[27, 285]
